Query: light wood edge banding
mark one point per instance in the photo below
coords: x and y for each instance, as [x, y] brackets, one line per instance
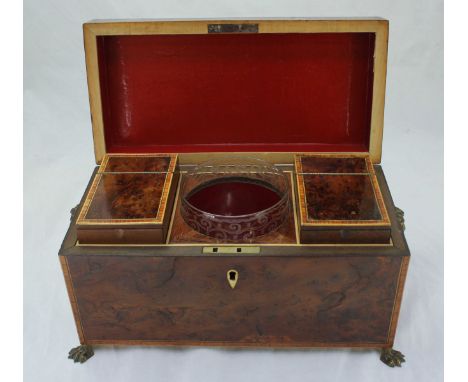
[88, 199]
[82, 220]
[173, 213]
[166, 188]
[72, 298]
[300, 189]
[378, 92]
[94, 91]
[107, 157]
[293, 202]
[378, 195]
[378, 26]
[398, 298]
[240, 344]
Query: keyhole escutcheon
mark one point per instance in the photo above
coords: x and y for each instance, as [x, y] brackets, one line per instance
[232, 277]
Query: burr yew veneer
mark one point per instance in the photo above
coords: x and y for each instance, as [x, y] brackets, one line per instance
[166, 248]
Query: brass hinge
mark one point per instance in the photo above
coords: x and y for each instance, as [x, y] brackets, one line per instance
[232, 28]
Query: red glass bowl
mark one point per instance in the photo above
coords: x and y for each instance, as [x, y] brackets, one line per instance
[235, 203]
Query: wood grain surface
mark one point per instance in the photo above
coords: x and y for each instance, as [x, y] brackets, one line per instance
[350, 295]
[339, 200]
[335, 165]
[130, 200]
[340, 197]
[127, 196]
[136, 163]
[276, 300]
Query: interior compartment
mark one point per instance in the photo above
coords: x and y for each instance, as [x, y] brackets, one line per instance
[235, 199]
[285, 233]
[234, 196]
[340, 200]
[130, 200]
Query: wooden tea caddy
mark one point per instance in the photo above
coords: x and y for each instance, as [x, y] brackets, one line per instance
[168, 95]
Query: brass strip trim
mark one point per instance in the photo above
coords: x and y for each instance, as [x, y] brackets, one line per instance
[241, 249]
[336, 173]
[390, 244]
[232, 28]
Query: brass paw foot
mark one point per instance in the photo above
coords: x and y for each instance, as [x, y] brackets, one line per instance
[392, 357]
[73, 212]
[81, 353]
[400, 217]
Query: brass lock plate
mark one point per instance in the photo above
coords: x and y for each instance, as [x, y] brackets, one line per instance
[231, 250]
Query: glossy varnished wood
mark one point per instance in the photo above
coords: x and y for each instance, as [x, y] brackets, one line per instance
[277, 300]
[398, 299]
[397, 246]
[137, 163]
[130, 200]
[333, 165]
[92, 284]
[139, 292]
[340, 197]
[126, 196]
[339, 200]
[130, 188]
[72, 297]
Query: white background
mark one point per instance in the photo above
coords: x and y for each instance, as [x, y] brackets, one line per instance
[58, 160]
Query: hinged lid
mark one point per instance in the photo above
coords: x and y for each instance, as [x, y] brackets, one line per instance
[237, 86]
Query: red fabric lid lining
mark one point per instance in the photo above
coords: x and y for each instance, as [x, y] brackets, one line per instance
[239, 92]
